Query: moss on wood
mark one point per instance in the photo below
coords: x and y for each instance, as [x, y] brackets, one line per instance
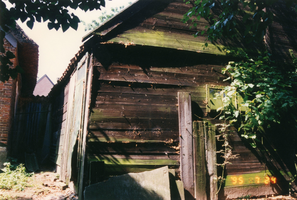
[168, 40]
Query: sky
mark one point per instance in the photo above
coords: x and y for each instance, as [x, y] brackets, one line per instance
[56, 48]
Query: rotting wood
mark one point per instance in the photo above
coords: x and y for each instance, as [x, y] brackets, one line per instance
[161, 78]
[166, 39]
[211, 158]
[134, 161]
[186, 141]
[200, 69]
[116, 140]
[114, 135]
[85, 125]
[133, 149]
[200, 161]
[147, 89]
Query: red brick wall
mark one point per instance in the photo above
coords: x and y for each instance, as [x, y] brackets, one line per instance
[7, 100]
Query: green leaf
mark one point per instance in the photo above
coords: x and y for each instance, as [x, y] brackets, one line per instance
[65, 27]
[284, 105]
[50, 25]
[30, 23]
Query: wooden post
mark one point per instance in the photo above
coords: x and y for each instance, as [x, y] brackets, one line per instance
[200, 169]
[210, 148]
[186, 141]
[85, 128]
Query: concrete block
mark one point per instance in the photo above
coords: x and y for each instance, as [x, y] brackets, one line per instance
[149, 185]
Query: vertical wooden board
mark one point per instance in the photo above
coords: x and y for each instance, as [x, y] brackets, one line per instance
[76, 126]
[210, 148]
[77, 115]
[66, 133]
[200, 169]
[186, 141]
[82, 146]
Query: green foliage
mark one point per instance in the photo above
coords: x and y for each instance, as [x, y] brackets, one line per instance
[104, 17]
[268, 92]
[54, 12]
[14, 177]
[226, 18]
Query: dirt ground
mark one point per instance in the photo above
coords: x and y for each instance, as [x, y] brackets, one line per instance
[43, 185]
[47, 186]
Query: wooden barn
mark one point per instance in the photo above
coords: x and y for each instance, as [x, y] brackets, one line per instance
[137, 96]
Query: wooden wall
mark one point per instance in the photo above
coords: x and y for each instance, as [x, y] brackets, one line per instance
[134, 115]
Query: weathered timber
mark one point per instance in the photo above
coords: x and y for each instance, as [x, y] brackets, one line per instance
[82, 147]
[133, 135]
[161, 39]
[160, 77]
[211, 159]
[133, 112]
[107, 87]
[120, 164]
[133, 148]
[200, 162]
[130, 99]
[186, 141]
[207, 69]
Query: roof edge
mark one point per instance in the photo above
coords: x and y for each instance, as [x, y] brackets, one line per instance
[118, 19]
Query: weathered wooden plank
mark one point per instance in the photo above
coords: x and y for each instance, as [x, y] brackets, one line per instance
[136, 128]
[135, 99]
[113, 135]
[146, 113]
[135, 123]
[119, 164]
[133, 161]
[200, 69]
[243, 168]
[172, 24]
[146, 89]
[65, 136]
[86, 115]
[211, 159]
[200, 161]
[138, 141]
[161, 78]
[102, 148]
[165, 39]
[132, 120]
[186, 141]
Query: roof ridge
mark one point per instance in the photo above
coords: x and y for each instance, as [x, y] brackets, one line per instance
[20, 35]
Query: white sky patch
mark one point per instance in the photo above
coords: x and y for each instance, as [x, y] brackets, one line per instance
[56, 48]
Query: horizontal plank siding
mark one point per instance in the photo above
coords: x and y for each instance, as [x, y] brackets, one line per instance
[133, 129]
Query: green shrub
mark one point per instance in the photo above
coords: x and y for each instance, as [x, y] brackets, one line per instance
[14, 177]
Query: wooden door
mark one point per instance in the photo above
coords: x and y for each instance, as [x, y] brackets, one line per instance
[197, 153]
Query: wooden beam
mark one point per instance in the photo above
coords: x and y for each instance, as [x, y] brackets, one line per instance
[200, 161]
[186, 141]
[211, 158]
[85, 126]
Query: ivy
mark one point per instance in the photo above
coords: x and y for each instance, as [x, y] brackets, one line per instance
[267, 93]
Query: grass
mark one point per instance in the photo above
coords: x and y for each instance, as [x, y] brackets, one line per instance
[14, 177]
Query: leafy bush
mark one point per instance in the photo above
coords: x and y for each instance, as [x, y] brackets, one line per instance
[14, 177]
[268, 92]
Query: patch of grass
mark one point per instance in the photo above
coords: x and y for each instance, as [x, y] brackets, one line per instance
[14, 177]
